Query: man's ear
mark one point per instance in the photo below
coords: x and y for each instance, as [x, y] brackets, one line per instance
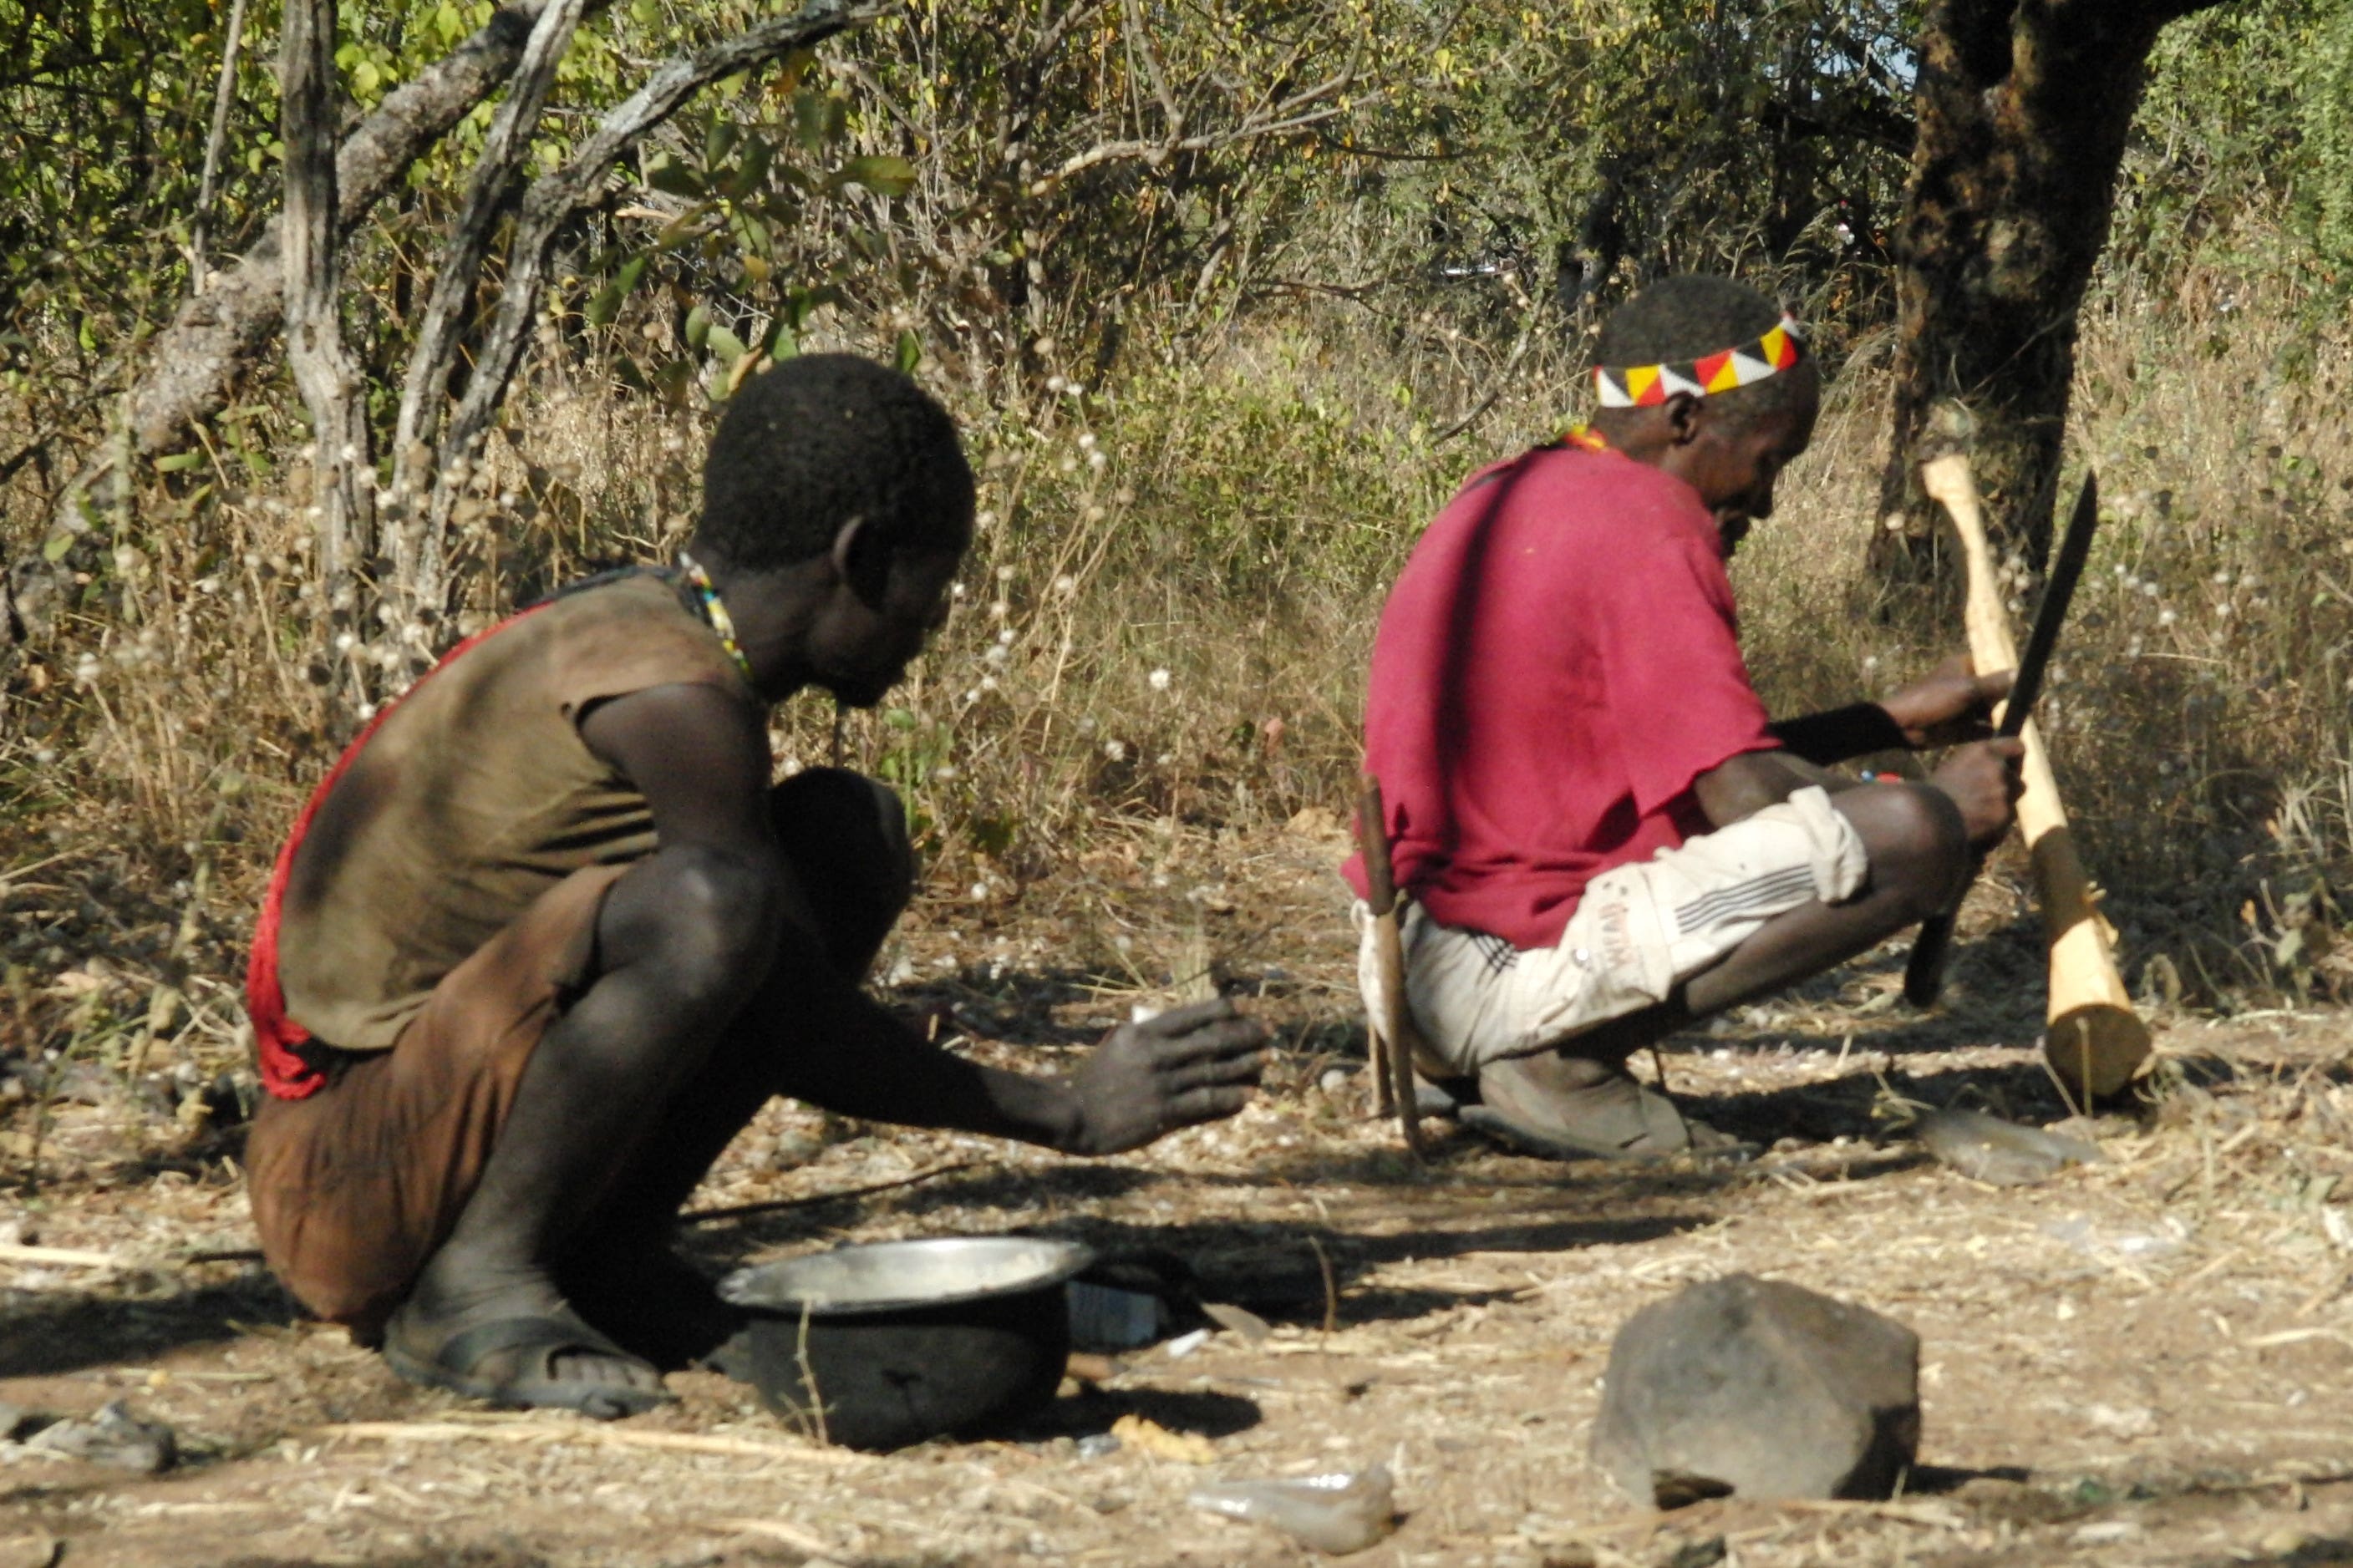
[861, 558]
[1686, 416]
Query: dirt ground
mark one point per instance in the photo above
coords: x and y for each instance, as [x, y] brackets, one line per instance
[2141, 1362]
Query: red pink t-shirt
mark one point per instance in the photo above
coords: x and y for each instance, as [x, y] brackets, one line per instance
[1556, 665]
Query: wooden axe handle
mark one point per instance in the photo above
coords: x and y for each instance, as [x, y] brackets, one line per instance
[1923, 977]
[2093, 1040]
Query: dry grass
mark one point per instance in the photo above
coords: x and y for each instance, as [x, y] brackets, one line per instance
[2130, 1365]
[1165, 623]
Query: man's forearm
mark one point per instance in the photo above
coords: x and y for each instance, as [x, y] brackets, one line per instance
[1841, 734]
[856, 1059]
[1814, 774]
[1744, 785]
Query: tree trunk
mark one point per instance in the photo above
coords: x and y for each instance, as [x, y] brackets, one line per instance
[2023, 109]
[426, 393]
[342, 465]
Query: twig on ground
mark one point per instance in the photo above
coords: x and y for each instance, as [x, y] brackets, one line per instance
[63, 1257]
[799, 1540]
[1330, 1287]
[772, 1206]
[540, 1432]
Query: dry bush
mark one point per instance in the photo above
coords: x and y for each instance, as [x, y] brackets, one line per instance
[1166, 618]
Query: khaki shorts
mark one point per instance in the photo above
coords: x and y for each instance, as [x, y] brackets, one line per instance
[1638, 931]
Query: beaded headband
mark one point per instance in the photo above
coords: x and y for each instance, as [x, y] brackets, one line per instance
[1644, 385]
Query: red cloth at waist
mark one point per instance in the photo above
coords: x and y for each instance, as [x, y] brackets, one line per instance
[277, 1038]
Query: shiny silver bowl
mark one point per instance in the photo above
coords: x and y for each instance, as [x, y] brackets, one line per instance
[880, 1345]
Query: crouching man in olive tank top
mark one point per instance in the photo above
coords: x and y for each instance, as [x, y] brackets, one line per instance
[547, 937]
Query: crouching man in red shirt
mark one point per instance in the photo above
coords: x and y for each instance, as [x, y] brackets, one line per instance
[1603, 835]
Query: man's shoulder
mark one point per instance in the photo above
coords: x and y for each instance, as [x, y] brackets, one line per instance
[552, 657]
[625, 596]
[1564, 507]
[1607, 484]
[635, 618]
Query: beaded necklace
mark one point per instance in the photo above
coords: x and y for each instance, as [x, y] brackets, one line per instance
[715, 610]
[1584, 435]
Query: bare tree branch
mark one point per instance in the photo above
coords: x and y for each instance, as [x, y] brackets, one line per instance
[1155, 152]
[1139, 39]
[192, 363]
[223, 95]
[553, 199]
[426, 393]
[342, 473]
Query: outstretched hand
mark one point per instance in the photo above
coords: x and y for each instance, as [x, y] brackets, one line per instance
[1186, 1066]
[1947, 706]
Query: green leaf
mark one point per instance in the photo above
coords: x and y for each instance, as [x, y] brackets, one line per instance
[817, 119]
[750, 172]
[667, 175]
[54, 548]
[885, 176]
[910, 352]
[178, 461]
[698, 326]
[752, 234]
[606, 304]
[725, 344]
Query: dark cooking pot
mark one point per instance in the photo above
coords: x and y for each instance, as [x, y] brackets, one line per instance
[880, 1345]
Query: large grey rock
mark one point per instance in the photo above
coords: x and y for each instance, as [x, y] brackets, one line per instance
[1760, 1388]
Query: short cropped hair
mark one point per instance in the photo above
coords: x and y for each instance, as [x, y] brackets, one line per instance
[820, 439]
[1680, 319]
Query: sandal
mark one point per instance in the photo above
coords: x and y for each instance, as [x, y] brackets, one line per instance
[652, 1304]
[1445, 1097]
[541, 1338]
[1611, 1117]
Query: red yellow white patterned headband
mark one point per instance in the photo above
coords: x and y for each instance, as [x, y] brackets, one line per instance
[1644, 385]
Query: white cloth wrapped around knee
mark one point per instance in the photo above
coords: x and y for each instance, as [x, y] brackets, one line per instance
[1638, 931]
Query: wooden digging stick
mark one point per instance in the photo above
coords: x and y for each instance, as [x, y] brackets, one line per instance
[1391, 1042]
[2094, 1040]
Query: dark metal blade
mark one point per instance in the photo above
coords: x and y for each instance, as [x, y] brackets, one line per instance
[2074, 548]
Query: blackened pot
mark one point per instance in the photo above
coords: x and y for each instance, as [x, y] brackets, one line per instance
[894, 1342]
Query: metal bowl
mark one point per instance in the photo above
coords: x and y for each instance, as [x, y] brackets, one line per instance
[894, 1342]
